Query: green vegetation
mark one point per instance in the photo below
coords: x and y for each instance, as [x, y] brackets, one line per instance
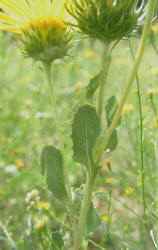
[27, 125]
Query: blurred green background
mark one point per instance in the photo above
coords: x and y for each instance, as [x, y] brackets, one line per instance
[27, 124]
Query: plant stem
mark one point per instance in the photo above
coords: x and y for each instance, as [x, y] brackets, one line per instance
[51, 88]
[139, 56]
[12, 244]
[84, 211]
[106, 64]
[142, 154]
[96, 245]
[141, 140]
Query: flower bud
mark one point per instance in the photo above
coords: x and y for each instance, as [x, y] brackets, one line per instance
[106, 20]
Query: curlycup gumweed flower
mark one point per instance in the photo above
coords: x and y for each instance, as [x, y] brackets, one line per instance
[106, 20]
[39, 25]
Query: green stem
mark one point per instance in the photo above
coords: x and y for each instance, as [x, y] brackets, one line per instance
[106, 65]
[139, 56]
[96, 245]
[142, 154]
[11, 242]
[84, 211]
[51, 89]
[141, 140]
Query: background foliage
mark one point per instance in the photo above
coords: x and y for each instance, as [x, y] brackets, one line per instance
[26, 125]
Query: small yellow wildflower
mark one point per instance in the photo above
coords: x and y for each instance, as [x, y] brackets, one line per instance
[155, 124]
[19, 163]
[3, 139]
[128, 191]
[119, 209]
[89, 54]
[52, 213]
[23, 149]
[76, 101]
[101, 189]
[104, 218]
[24, 80]
[10, 234]
[138, 183]
[104, 168]
[127, 108]
[51, 143]
[151, 93]
[41, 223]
[108, 181]
[43, 205]
[77, 86]
[143, 122]
[155, 90]
[154, 28]
[122, 62]
[26, 118]
[153, 71]
[108, 163]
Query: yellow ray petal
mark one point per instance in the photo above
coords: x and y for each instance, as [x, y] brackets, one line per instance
[7, 19]
[10, 8]
[23, 12]
[14, 29]
[58, 9]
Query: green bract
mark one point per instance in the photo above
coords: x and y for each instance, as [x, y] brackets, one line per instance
[45, 40]
[106, 20]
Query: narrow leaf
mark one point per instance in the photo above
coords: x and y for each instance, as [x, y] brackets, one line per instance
[93, 220]
[52, 169]
[111, 109]
[113, 142]
[85, 130]
[93, 85]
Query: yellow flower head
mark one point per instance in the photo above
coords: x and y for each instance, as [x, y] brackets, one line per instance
[43, 205]
[128, 191]
[127, 108]
[41, 223]
[104, 218]
[154, 28]
[40, 25]
[19, 163]
[155, 124]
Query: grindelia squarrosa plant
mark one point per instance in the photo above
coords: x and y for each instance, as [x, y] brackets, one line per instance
[43, 29]
[109, 22]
